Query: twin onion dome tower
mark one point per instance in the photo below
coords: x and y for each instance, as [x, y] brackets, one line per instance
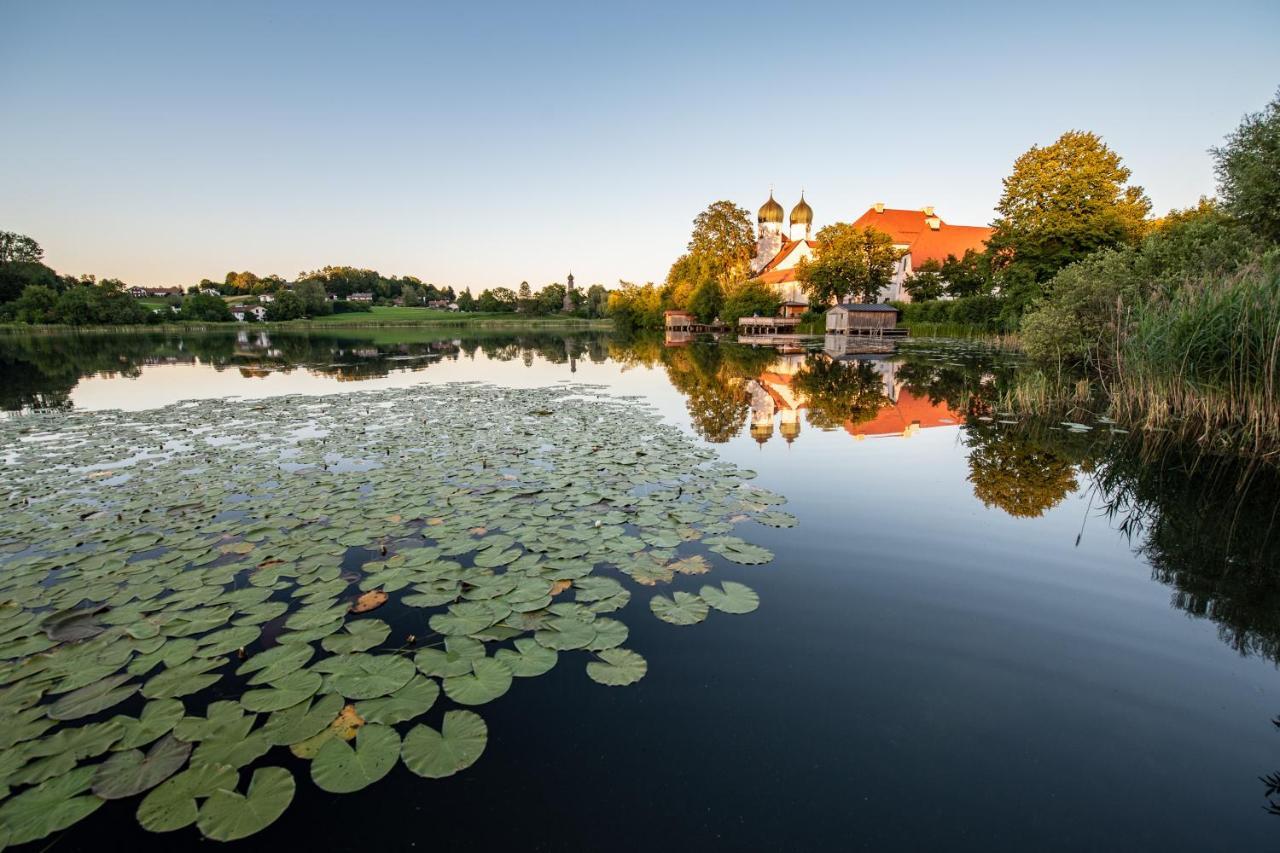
[769, 220]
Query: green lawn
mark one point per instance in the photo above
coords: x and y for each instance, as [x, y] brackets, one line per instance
[387, 315]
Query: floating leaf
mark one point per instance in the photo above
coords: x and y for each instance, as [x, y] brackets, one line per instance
[228, 816]
[132, 772]
[489, 678]
[340, 769]
[437, 754]
[93, 698]
[358, 636]
[412, 700]
[276, 662]
[685, 609]
[49, 807]
[371, 600]
[617, 668]
[528, 659]
[362, 676]
[285, 692]
[733, 598]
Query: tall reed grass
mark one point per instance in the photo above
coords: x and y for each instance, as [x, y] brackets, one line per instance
[1205, 360]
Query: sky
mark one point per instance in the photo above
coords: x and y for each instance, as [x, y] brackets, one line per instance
[484, 144]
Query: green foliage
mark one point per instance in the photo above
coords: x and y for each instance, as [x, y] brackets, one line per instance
[723, 240]
[748, 299]
[1063, 202]
[16, 276]
[839, 392]
[1248, 169]
[1088, 305]
[205, 307]
[849, 263]
[706, 301]
[634, 306]
[314, 297]
[968, 276]
[926, 282]
[19, 248]
[287, 306]
[980, 312]
[466, 302]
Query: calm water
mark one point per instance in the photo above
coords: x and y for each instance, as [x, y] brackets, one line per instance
[982, 635]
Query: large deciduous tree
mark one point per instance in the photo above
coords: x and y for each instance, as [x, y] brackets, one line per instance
[849, 263]
[1061, 203]
[19, 248]
[1248, 169]
[723, 240]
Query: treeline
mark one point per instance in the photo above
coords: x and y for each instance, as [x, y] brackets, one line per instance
[590, 303]
[1180, 319]
[711, 280]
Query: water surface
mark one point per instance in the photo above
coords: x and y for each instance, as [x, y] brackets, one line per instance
[981, 635]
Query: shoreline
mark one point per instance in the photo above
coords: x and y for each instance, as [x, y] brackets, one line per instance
[488, 322]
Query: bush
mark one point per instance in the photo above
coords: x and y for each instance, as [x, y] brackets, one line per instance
[980, 312]
[343, 306]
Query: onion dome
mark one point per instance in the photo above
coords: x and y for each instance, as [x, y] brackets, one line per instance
[770, 212]
[802, 213]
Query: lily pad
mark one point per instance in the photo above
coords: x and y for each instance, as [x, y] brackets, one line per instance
[732, 598]
[340, 769]
[229, 816]
[437, 754]
[93, 698]
[683, 608]
[127, 773]
[617, 668]
[489, 678]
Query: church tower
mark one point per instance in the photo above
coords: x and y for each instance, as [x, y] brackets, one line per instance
[568, 295]
[769, 241]
[801, 220]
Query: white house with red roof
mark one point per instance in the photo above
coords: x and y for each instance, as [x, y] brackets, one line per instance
[920, 235]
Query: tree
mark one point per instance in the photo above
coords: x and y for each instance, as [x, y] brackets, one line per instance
[315, 301]
[205, 307]
[967, 276]
[749, 299]
[287, 306]
[1061, 203]
[1015, 472]
[723, 240]
[19, 248]
[1248, 170]
[466, 302]
[849, 263]
[410, 294]
[706, 301]
[838, 392]
[926, 283]
[36, 305]
[597, 300]
[16, 276]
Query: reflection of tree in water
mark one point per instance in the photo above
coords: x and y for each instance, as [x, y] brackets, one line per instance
[40, 371]
[718, 401]
[838, 392]
[1020, 472]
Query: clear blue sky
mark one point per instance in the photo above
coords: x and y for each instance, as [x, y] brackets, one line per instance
[477, 144]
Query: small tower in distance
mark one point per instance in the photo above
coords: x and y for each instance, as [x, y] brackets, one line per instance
[568, 295]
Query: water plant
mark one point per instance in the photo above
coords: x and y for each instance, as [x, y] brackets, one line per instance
[340, 568]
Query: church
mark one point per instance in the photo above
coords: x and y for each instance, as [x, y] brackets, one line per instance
[920, 235]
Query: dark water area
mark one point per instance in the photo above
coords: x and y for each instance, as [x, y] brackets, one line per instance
[987, 632]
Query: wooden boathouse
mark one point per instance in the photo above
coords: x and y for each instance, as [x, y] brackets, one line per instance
[874, 319]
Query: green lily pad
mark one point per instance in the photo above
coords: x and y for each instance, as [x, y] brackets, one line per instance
[340, 769]
[49, 807]
[132, 772]
[412, 700]
[299, 722]
[173, 805]
[93, 698]
[489, 678]
[276, 662]
[732, 598]
[229, 816]
[437, 754]
[364, 676]
[359, 636]
[283, 693]
[617, 668]
[528, 659]
[685, 609]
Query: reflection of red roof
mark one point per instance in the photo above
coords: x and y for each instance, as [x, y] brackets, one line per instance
[911, 228]
[894, 418]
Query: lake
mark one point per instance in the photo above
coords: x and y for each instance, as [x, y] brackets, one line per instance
[983, 632]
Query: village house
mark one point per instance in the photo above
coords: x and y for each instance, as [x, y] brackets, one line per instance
[921, 235]
[244, 312]
[360, 297]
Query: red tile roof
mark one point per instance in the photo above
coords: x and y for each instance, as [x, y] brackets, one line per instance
[911, 228]
[778, 276]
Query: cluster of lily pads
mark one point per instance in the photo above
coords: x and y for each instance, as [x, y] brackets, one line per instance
[186, 590]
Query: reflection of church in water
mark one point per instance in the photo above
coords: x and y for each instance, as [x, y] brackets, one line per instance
[775, 399]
